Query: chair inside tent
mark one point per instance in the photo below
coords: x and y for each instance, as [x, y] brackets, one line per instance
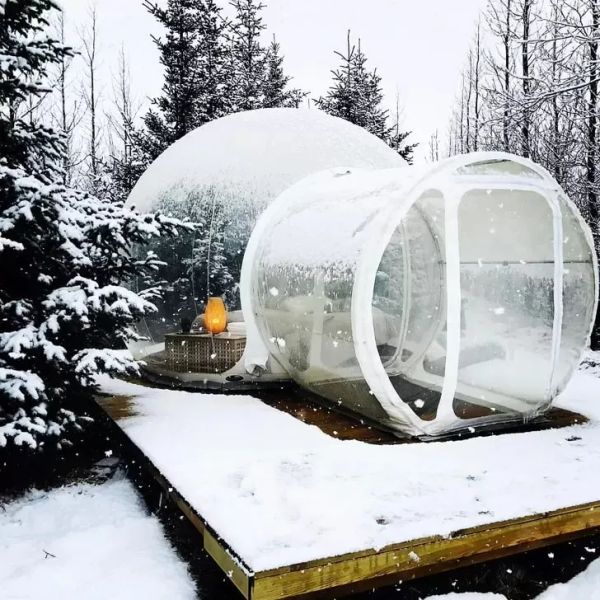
[427, 300]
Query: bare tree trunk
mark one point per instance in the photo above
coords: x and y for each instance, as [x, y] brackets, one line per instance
[89, 41]
[65, 108]
[506, 45]
[434, 147]
[62, 90]
[556, 142]
[525, 64]
[468, 104]
[121, 122]
[477, 90]
[461, 132]
[592, 124]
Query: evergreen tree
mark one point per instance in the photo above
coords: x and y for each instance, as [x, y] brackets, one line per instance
[255, 75]
[64, 317]
[208, 267]
[356, 96]
[397, 138]
[212, 68]
[276, 92]
[228, 70]
[211, 101]
[173, 113]
[247, 65]
[193, 55]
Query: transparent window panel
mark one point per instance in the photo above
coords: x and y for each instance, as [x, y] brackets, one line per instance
[304, 314]
[286, 306]
[507, 310]
[498, 167]
[578, 297]
[409, 307]
[179, 303]
[337, 353]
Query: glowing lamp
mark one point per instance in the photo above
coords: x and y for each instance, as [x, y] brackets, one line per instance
[215, 315]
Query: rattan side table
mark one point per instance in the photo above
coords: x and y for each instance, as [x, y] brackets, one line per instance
[203, 352]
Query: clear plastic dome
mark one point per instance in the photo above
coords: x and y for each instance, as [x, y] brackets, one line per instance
[223, 175]
[424, 299]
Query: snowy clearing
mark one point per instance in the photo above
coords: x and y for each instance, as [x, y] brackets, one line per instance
[295, 494]
[586, 586]
[87, 541]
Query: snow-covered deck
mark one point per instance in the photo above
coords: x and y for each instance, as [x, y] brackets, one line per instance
[281, 493]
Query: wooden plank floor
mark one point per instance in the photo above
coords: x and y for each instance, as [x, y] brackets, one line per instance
[313, 410]
[335, 576]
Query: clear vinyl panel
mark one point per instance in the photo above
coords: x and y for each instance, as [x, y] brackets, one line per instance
[498, 167]
[578, 296]
[506, 243]
[303, 296]
[285, 295]
[409, 306]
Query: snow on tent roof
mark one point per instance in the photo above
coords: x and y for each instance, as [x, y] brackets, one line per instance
[259, 153]
[222, 176]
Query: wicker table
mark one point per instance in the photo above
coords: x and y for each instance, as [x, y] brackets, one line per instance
[203, 352]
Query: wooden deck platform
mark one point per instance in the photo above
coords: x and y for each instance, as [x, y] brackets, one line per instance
[336, 575]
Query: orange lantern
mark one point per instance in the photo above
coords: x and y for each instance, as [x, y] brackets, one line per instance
[215, 315]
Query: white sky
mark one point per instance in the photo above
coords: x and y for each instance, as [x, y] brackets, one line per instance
[418, 47]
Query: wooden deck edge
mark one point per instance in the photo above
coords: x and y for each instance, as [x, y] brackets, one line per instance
[370, 568]
[427, 555]
[236, 571]
[239, 574]
[233, 567]
[228, 564]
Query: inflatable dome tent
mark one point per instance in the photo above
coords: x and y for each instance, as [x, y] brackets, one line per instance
[223, 175]
[425, 299]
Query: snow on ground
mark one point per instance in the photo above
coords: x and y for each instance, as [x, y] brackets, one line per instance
[281, 492]
[585, 586]
[101, 544]
[467, 596]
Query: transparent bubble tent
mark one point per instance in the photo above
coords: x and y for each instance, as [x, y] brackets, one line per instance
[424, 299]
[223, 175]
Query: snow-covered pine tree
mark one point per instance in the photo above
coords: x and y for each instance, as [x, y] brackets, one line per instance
[208, 266]
[255, 75]
[276, 92]
[193, 55]
[247, 59]
[172, 115]
[64, 317]
[211, 102]
[343, 97]
[356, 95]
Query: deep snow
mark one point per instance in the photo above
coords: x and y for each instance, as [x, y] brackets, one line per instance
[101, 543]
[281, 492]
